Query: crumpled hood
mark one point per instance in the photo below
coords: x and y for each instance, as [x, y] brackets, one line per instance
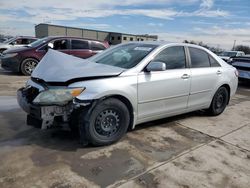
[59, 67]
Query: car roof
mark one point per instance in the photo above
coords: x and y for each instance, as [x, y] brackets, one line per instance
[166, 43]
[233, 51]
[70, 37]
[25, 37]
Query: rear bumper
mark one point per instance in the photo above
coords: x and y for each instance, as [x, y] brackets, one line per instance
[42, 116]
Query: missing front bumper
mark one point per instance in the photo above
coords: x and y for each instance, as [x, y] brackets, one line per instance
[43, 116]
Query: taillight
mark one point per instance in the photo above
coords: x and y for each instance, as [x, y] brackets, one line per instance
[236, 73]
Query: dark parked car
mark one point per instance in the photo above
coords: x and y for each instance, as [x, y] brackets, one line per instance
[228, 55]
[24, 59]
[242, 64]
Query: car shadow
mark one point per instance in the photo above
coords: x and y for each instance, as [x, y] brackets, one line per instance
[9, 73]
[244, 84]
[66, 140]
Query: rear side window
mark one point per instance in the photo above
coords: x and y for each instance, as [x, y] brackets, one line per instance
[31, 40]
[199, 58]
[96, 46]
[213, 62]
[174, 57]
[79, 44]
[25, 41]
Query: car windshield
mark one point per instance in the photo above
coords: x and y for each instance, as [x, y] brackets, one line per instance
[124, 56]
[228, 54]
[38, 42]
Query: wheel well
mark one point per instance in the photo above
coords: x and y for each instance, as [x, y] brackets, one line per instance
[129, 106]
[2, 49]
[228, 89]
[25, 59]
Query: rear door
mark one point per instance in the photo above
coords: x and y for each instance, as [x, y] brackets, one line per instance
[205, 73]
[80, 48]
[164, 92]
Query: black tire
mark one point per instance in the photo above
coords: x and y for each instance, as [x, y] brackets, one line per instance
[105, 123]
[219, 101]
[28, 65]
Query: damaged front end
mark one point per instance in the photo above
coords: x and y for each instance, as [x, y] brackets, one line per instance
[48, 108]
[49, 96]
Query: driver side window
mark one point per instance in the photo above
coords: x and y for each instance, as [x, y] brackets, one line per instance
[174, 57]
[61, 44]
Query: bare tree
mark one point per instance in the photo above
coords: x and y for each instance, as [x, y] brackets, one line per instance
[243, 48]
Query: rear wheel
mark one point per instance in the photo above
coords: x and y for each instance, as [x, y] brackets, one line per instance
[219, 101]
[28, 65]
[104, 124]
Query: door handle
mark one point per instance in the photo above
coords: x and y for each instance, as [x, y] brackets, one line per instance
[218, 72]
[185, 76]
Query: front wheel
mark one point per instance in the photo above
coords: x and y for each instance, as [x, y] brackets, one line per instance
[105, 124]
[219, 101]
[28, 65]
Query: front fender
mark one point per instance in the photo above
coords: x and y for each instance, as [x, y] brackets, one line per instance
[125, 86]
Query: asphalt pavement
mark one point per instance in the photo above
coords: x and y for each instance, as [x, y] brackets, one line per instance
[190, 150]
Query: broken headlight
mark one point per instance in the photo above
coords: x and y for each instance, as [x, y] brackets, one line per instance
[57, 96]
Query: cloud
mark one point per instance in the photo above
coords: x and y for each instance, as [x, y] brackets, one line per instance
[50, 15]
[213, 36]
[220, 31]
[155, 24]
[55, 10]
[80, 5]
[207, 4]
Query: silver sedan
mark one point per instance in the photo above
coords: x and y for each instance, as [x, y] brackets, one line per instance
[102, 97]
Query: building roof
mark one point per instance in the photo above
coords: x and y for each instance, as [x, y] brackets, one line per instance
[111, 32]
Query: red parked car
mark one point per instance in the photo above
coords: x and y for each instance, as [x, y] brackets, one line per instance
[24, 59]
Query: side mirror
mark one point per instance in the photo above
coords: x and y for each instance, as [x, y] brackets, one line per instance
[156, 66]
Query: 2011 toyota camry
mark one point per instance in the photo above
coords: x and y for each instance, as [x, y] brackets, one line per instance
[105, 95]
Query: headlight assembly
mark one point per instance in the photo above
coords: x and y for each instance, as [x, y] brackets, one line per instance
[57, 96]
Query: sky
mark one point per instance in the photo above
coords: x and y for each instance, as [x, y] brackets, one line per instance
[215, 22]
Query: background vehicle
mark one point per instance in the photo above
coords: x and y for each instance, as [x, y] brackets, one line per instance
[242, 64]
[16, 42]
[104, 96]
[25, 59]
[229, 54]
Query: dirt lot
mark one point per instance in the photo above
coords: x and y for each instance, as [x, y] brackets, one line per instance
[191, 150]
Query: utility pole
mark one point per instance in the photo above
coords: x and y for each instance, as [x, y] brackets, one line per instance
[234, 44]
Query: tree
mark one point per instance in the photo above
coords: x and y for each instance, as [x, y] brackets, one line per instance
[243, 48]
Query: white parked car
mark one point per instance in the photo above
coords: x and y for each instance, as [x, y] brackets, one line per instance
[16, 42]
[103, 96]
[227, 55]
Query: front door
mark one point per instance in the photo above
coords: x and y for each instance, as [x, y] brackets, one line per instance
[61, 45]
[164, 92]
